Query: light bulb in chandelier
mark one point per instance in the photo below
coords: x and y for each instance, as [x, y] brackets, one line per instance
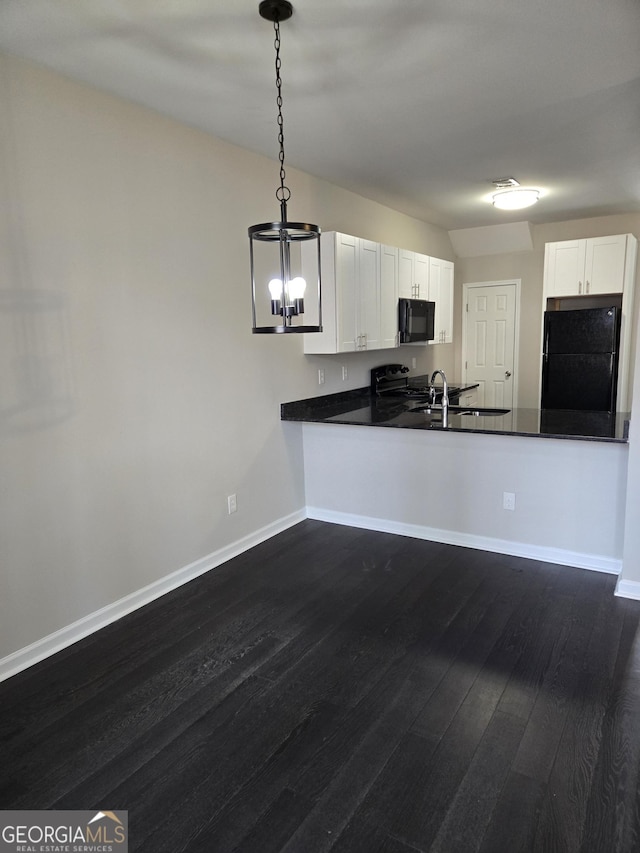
[291, 296]
[277, 293]
[296, 289]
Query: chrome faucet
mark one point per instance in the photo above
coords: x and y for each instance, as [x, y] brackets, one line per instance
[445, 395]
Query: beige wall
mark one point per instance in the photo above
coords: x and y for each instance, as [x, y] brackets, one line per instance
[529, 267]
[134, 398]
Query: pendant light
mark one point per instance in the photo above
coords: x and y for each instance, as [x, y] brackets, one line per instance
[285, 256]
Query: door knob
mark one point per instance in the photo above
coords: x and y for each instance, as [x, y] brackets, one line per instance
[507, 374]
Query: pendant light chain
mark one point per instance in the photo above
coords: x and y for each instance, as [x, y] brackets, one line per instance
[283, 193]
[285, 256]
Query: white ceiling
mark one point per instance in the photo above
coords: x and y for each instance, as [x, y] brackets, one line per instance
[417, 104]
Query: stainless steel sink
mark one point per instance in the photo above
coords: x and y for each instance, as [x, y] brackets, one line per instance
[484, 412]
[461, 410]
[437, 410]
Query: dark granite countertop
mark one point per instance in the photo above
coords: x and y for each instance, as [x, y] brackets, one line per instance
[360, 408]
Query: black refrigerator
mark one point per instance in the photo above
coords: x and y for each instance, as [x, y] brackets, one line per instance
[580, 359]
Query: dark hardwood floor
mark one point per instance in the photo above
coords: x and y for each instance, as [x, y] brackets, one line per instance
[342, 690]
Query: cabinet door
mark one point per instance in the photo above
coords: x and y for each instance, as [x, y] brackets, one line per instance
[446, 299]
[605, 264]
[368, 332]
[441, 292]
[564, 266]
[346, 281]
[325, 341]
[389, 261]
[421, 275]
[469, 398]
[406, 284]
[413, 275]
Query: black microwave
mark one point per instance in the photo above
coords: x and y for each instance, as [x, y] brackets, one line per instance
[416, 320]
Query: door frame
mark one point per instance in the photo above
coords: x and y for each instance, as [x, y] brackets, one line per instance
[466, 288]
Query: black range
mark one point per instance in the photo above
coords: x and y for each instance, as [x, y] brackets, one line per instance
[393, 380]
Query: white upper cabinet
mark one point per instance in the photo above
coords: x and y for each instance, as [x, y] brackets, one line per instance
[422, 277]
[605, 263]
[595, 265]
[350, 295]
[368, 296]
[441, 292]
[389, 280]
[343, 270]
[413, 275]
[361, 284]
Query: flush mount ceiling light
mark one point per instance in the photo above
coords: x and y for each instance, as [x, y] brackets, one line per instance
[511, 196]
[285, 256]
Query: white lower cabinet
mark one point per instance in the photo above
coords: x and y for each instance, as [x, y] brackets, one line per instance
[469, 398]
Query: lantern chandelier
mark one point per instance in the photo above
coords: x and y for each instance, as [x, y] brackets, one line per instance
[285, 256]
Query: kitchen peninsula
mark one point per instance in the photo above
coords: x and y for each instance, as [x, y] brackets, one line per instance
[483, 482]
[361, 408]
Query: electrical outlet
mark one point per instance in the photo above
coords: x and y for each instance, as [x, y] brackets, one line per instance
[345, 372]
[508, 500]
[320, 376]
[232, 504]
[414, 363]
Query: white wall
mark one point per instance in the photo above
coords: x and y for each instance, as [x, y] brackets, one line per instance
[134, 398]
[447, 486]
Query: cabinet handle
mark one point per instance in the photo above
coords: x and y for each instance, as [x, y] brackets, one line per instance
[579, 287]
[587, 287]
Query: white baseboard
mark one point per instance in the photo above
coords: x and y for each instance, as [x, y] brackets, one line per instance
[594, 562]
[628, 589]
[59, 640]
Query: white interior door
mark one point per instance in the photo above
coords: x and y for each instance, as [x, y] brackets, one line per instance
[490, 341]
